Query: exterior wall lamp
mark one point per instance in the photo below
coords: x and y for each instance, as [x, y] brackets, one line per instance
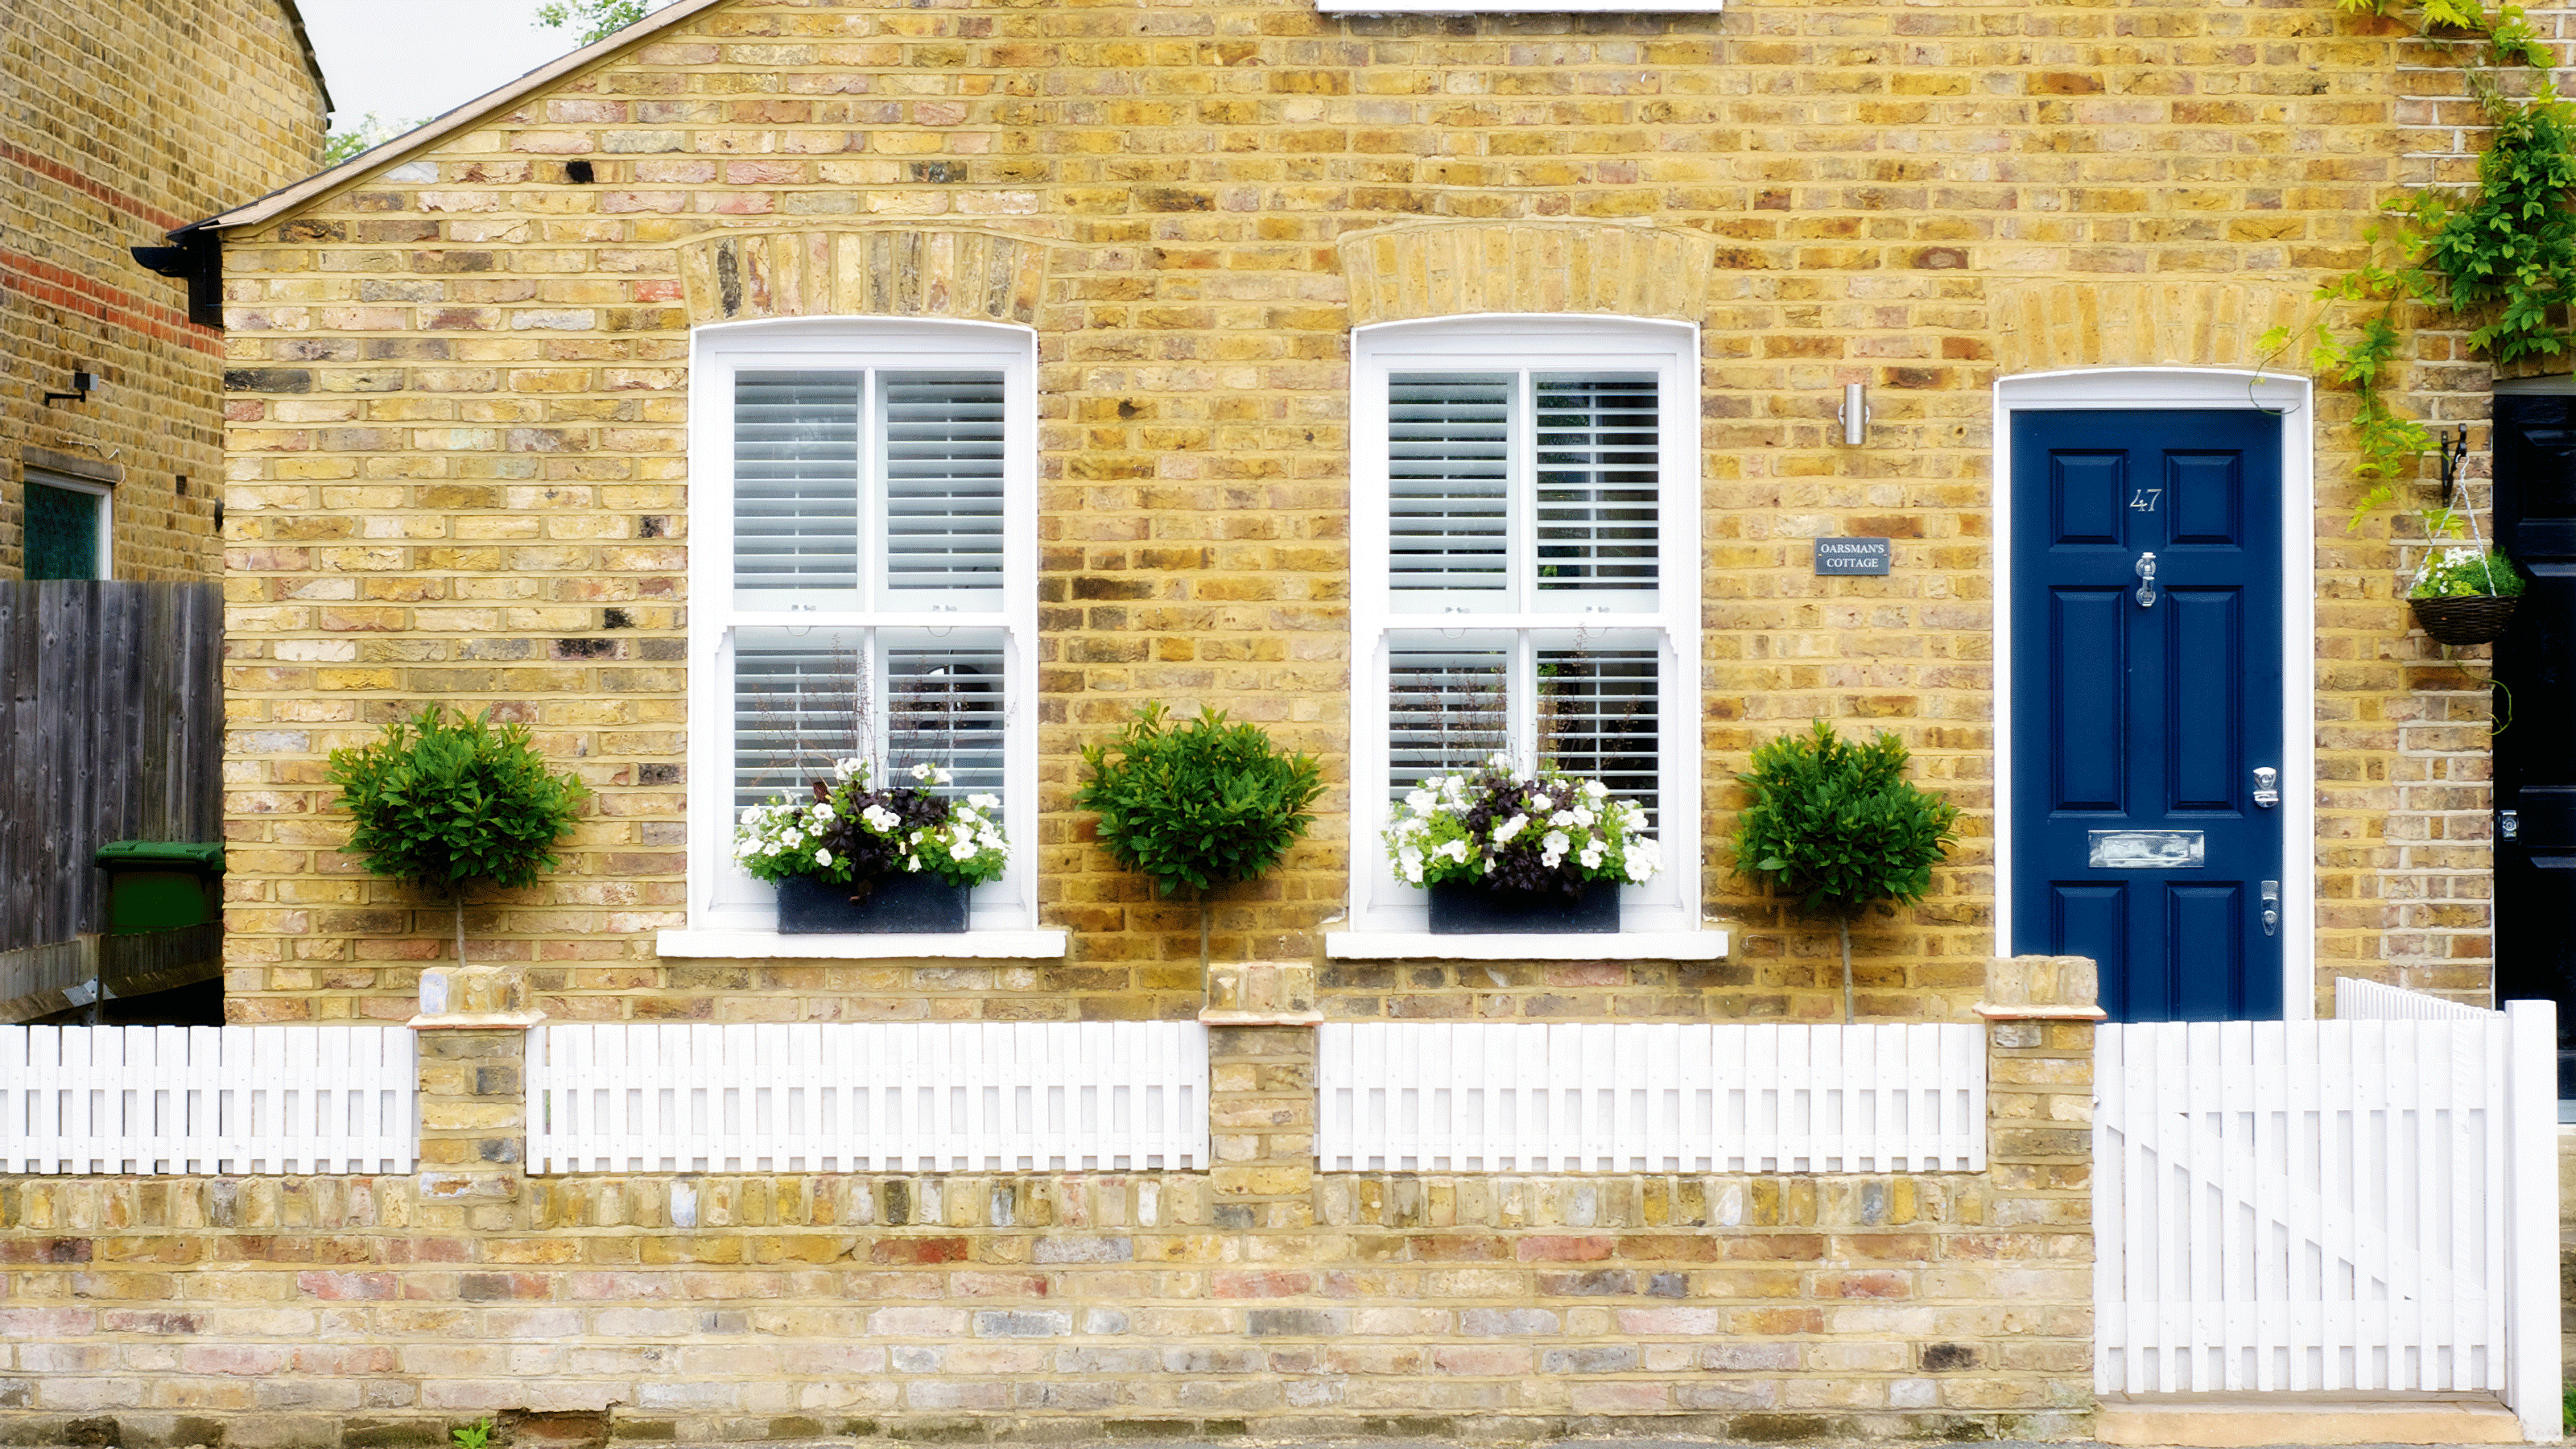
[1854, 415]
[83, 384]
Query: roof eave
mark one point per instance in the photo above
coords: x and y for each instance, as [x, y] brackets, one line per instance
[462, 118]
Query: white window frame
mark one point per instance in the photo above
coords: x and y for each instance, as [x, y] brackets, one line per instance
[730, 914]
[106, 496]
[1660, 919]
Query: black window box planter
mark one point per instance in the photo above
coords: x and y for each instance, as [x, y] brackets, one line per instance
[1459, 909]
[916, 901]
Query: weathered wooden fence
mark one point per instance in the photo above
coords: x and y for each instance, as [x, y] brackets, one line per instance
[110, 729]
[1650, 1097]
[2365, 1204]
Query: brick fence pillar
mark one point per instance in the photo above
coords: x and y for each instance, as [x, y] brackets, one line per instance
[1261, 1020]
[473, 1049]
[2040, 1014]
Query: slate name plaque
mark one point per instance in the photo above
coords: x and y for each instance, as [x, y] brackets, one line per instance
[1851, 555]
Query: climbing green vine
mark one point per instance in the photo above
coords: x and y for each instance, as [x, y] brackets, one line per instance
[2502, 259]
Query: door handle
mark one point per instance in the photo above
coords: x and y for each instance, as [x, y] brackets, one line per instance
[2147, 581]
[2271, 908]
[2267, 787]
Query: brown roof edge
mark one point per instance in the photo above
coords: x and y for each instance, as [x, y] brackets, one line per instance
[287, 198]
[312, 62]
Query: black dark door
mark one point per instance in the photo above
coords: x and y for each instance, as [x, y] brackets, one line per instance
[2535, 754]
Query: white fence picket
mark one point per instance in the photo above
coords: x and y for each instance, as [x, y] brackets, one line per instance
[2336, 1205]
[91, 1100]
[872, 1096]
[1509, 1097]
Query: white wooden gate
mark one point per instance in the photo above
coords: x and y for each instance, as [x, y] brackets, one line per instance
[2368, 1203]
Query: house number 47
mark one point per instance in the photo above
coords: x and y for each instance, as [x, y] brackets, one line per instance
[2145, 501]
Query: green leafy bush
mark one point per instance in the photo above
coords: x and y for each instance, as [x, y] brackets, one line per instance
[1836, 825]
[1200, 804]
[443, 802]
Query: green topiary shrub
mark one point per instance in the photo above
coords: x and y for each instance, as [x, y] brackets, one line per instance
[1836, 825]
[1201, 804]
[442, 802]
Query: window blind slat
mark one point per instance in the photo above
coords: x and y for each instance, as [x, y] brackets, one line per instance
[1447, 710]
[1598, 472]
[945, 705]
[795, 711]
[943, 479]
[1448, 471]
[796, 481]
[1597, 717]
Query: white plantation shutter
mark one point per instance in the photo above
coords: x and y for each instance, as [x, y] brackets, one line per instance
[1597, 477]
[1599, 716]
[938, 699]
[1448, 708]
[796, 482]
[866, 498]
[942, 448]
[1515, 482]
[1448, 467]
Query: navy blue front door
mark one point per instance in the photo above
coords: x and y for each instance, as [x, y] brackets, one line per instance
[2139, 722]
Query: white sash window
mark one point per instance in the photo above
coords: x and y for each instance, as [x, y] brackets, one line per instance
[862, 578]
[1525, 503]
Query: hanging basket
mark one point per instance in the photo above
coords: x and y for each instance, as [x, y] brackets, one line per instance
[2472, 619]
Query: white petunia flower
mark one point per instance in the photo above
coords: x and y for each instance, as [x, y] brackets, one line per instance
[985, 802]
[1421, 801]
[1595, 789]
[1504, 832]
[921, 771]
[1539, 802]
[1591, 856]
[822, 857]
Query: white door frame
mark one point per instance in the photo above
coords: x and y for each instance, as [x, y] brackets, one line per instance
[2292, 398]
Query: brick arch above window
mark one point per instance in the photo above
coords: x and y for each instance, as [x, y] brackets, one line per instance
[2051, 325]
[1463, 268]
[955, 273]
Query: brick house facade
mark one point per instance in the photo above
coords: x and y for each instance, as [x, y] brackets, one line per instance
[128, 121]
[460, 437]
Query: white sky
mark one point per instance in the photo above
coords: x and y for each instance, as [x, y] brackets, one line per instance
[407, 60]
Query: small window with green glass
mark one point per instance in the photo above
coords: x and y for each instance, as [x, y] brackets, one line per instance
[66, 529]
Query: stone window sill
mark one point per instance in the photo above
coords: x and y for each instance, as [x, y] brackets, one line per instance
[735, 945]
[1624, 946]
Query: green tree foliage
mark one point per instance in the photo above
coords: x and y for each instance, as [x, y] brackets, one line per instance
[367, 135]
[1836, 825]
[1200, 804]
[596, 19]
[442, 802]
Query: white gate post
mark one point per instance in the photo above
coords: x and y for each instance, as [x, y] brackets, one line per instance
[2531, 1224]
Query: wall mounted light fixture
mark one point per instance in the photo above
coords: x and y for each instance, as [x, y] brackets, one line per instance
[1854, 415]
[83, 384]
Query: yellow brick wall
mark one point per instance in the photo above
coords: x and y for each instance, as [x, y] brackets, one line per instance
[125, 119]
[457, 452]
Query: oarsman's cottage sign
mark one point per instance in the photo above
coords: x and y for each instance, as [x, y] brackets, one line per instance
[1851, 555]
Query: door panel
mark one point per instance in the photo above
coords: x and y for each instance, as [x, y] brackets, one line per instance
[2136, 838]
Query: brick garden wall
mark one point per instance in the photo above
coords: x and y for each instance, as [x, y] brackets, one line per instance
[458, 454]
[1258, 1297]
[125, 119]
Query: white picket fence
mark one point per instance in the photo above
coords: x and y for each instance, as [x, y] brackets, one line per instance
[2359, 1204]
[203, 1099]
[859, 1097]
[1665, 1097]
